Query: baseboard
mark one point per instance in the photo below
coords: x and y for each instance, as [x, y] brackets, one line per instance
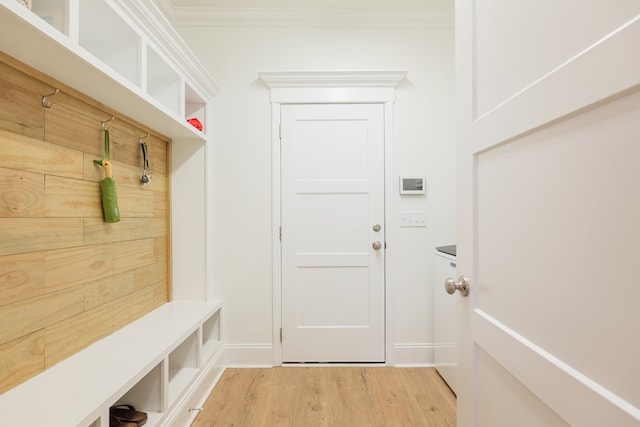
[414, 355]
[261, 355]
[248, 355]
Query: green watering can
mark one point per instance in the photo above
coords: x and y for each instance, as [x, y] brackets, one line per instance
[108, 185]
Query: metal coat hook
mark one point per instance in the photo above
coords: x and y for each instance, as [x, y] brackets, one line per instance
[45, 100]
[104, 127]
[142, 138]
[146, 173]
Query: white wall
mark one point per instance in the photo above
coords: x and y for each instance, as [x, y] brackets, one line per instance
[241, 128]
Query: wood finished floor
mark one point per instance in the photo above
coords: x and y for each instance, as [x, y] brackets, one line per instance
[329, 396]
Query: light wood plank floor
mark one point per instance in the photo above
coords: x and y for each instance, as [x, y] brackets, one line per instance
[329, 396]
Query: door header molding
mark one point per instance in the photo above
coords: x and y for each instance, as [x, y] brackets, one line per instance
[337, 86]
[333, 78]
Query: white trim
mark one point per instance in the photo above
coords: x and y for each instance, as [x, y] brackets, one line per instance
[309, 17]
[333, 78]
[331, 87]
[414, 355]
[248, 355]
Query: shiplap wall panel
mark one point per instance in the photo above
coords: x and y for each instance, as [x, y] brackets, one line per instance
[23, 357]
[160, 204]
[22, 193]
[96, 231]
[89, 262]
[69, 128]
[134, 202]
[67, 278]
[21, 103]
[21, 235]
[67, 337]
[29, 154]
[21, 277]
[69, 198]
[106, 289]
[22, 318]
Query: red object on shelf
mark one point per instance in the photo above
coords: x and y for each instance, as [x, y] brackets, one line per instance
[195, 123]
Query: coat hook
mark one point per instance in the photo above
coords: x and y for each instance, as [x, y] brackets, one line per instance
[104, 127]
[142, 138]
[45, 100]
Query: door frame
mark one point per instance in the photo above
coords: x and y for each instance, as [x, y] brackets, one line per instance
[332, 87]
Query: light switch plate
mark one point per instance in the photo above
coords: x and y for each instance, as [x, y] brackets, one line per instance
[413, 219]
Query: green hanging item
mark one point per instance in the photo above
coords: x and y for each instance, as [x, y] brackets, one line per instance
[108, 185]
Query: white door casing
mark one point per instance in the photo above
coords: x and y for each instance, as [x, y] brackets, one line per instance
[332, 87]
[548, 209]
[332, 183]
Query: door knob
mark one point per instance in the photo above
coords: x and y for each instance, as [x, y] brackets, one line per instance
[377, 245]
[461, 285]
[376, 227]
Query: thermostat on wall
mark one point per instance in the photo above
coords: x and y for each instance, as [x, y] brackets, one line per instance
[412, 185]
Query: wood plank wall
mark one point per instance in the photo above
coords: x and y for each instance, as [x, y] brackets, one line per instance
[67, 278]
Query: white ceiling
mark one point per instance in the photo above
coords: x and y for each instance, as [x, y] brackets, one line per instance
[306, 4]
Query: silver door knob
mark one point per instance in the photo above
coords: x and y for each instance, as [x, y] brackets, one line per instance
[377, 245]
[376, 227]
[461, 285]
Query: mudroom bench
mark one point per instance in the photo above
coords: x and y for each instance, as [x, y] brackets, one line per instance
[164, 363]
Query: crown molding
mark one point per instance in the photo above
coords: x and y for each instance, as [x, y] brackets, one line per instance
[333, 78]
[307, 17]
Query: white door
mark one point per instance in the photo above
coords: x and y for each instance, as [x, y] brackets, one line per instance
[332, 166]
[549, 212]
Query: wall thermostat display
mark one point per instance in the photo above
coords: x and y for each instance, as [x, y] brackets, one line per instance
[412, 185]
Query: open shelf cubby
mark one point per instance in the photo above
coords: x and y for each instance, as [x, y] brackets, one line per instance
[163, 82]
[211, 336]
[195, 106]
[183, 366]
[107, 36]
[146, 394]
[54, 13]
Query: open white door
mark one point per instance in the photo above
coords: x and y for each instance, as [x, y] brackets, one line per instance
[549, 212]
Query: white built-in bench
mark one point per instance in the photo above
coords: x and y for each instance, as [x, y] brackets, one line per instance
[164, 363]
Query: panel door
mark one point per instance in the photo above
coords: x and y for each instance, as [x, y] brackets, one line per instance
[332, 233]
[549, 204]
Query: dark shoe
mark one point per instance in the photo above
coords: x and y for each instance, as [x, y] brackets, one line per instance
[128, 414]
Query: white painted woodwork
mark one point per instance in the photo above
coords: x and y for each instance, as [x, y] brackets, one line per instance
[125, 55]
[332, 87]
[104, 70]
[549, 117]
[332, 195]
[444, 319]
[128, 366]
